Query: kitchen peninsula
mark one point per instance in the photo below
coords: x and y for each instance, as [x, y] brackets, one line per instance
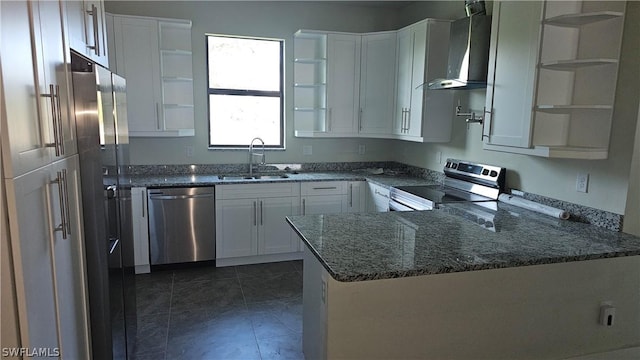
[438, 284]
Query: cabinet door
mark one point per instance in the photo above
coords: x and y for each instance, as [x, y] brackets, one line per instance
[69, 260]
[343, 83]
[137, 58]
[377, 83]
[25, 133]
[377, 199]
[417, 53]
[236, 228]
[140, 221]
[29, 200]
[275, 234]
[327, 204]
[355, 200]
[404, 54]
[87, 29]
[513, 56]
[54, 78]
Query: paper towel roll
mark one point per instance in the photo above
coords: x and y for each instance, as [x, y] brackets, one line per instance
[534, 206]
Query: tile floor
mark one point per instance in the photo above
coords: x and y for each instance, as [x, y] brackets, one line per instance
[240, 312]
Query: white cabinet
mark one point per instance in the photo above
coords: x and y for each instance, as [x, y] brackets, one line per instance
[322, 197]
[333, 197]
[140, 221]
[154, 55]
[86, 29]
[355, 200]
[370, 85]
[343, 79]
[37, 119]
[250, 219]
[378, 198]
[552, 77]
[45, 218]
[377, 84]
[420, 114]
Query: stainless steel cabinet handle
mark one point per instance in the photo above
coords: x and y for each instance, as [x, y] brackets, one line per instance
[261, 214]
[330, 119]
[60, 129]
[487, 118]
[59, 180]
[177, 197]
[94, 17]
[360, 120]
[325, 188]
[54, 118]
[66, 200]
[351, 195]
[158, 116]
[408, 126]
[381, 194]
[304, 206]
[144, 205]
[255, 214]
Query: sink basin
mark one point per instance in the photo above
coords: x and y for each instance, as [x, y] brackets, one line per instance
[255, 177]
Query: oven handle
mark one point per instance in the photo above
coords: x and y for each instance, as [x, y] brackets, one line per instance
[396, 206]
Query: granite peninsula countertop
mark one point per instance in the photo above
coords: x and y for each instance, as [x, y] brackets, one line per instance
[455, 238]
[173, 180]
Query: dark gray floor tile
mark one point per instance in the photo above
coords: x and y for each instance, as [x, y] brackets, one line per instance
[211, 295]
[268, 326]
[265, 269]
[287, 311]
[283, 347]
[153, 293]
[151, 356]
[224, 335]
[207, 273]
[274, 287]
[151, 334]
[298, 265]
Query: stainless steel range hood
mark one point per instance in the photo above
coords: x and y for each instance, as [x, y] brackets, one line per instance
[468, 51]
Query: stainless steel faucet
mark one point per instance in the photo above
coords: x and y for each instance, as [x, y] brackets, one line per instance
[252, 154]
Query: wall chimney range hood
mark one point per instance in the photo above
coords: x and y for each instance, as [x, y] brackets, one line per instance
[468, 50]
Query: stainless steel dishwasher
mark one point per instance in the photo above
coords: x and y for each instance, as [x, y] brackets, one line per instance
[182, 225]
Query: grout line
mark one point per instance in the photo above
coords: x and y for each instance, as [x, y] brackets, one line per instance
[244, 298]
[166, 338]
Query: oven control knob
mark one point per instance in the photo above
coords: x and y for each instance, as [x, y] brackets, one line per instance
[485, 172]
[448, 165]
[454, 166]
[493, 173]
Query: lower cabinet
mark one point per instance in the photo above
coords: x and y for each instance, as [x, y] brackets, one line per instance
[45, 217]
[333, 197]
[250, 221]
[140, 220]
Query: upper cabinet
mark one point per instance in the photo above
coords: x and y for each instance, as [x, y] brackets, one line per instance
[352, 85]
[420, 114]
[154, 55]
[552, 77]
[87, 30]
[39, 128]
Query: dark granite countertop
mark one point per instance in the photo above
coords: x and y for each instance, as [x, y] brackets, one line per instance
[209, 180]
[455, 238]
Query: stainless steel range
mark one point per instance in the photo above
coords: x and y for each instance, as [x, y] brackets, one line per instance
[464, 182]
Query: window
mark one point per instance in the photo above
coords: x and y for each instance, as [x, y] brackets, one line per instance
[245, 91]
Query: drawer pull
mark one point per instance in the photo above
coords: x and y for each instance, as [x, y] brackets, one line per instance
[326, 188]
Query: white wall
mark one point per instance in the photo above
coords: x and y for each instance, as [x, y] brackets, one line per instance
[256, 18]
[556, 178]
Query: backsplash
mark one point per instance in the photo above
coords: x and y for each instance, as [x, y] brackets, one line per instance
[579, 213]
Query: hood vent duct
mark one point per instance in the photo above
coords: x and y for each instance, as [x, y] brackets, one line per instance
[468, 50]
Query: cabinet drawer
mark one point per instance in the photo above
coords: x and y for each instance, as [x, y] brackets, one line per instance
[248, 191]
[323, 188]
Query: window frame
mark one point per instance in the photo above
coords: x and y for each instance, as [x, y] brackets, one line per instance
[247, 92]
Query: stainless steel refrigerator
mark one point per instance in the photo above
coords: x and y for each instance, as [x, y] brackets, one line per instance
[103, 148]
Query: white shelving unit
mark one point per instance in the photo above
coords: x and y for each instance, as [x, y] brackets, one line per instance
[576, 78]
[310, 89]
[177, 75]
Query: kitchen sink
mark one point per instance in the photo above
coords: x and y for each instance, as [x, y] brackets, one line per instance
[254, 177]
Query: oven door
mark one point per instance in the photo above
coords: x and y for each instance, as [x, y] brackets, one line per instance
[396, 206]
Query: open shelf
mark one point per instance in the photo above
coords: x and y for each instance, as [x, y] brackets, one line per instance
[575, 20]
[571, 65]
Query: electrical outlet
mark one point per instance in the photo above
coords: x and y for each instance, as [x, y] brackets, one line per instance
[361, 149]
[307, 150]
[188, 150]
[582, 182]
